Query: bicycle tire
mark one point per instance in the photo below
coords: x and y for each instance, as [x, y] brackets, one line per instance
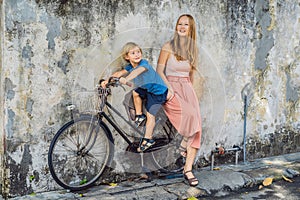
[80, 152]
[165, 152]
[167, 159]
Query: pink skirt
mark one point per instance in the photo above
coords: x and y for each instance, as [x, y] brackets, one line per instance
[183, 110]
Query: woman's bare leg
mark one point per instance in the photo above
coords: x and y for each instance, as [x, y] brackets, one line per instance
[190, 159]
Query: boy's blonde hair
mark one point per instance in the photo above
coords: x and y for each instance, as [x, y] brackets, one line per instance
[127, 47]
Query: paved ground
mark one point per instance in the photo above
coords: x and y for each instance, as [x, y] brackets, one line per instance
[214, 183]
[279, 189]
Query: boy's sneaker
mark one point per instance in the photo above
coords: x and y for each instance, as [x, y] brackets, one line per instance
[139, 119]
[145, 144]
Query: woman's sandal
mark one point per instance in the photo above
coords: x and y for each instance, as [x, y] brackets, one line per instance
[144, 146]
[191, 180]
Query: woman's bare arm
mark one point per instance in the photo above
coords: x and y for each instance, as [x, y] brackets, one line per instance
[161, 64]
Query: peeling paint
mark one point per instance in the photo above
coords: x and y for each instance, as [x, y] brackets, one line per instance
[54, 29]
[18, 11]
[10, 123]
[29, 104]
[63, 63]
[19, 173]
[239, 14]
[27, 54]
[266, 40]
[9, 86]
[292, 93]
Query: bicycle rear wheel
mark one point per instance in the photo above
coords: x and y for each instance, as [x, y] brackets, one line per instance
[80, 152]
[167, 158]
[165, 152]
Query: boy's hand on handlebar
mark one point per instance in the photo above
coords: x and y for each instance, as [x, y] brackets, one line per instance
[103, 83]
[114, 81]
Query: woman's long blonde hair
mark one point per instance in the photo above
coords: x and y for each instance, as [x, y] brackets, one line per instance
[190, 44]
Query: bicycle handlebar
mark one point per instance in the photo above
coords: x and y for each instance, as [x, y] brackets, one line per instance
[103, 92]
[114, 82]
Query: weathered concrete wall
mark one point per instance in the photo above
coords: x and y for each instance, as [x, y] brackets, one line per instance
[249, 47]
[2, 152]
[54, 51]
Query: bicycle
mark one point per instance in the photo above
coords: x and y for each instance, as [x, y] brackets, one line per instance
[83, 148]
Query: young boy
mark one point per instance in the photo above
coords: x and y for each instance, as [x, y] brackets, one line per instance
[149, 86]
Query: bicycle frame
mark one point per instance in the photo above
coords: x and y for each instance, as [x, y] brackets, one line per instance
[111, 122]
[103, 93]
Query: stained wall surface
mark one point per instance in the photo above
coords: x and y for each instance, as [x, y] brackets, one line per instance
[53, 52]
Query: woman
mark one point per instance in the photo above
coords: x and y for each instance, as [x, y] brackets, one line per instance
[176, 65]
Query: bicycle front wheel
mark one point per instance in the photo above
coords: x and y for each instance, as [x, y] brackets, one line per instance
[80, 152]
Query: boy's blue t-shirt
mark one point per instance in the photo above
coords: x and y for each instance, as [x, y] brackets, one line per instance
[149, 79]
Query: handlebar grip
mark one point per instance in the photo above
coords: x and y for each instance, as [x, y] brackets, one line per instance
[100, 81]
[114, 81]
[112, 78]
